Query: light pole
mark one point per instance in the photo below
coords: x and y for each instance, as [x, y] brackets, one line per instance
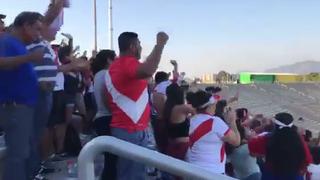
[95, 24]
[110, 23]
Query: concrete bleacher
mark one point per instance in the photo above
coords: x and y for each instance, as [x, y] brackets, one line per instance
[301, 100]
[311, 90]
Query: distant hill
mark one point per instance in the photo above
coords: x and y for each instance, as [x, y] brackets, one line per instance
[304, 67]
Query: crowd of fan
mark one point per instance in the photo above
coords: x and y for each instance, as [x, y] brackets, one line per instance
[42, 87]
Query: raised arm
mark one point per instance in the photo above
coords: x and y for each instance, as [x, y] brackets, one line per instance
[233, 99]
[159, 101]
[175, 70]
[53, 12]
[149, 67]
[233, 136]
[70, 41]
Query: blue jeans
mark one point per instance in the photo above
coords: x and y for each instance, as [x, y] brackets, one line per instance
[17, 123]
[128, 169]
[40, 120]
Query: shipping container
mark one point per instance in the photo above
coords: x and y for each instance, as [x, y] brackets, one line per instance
[288, 78]
[245, 78]
[262, 78]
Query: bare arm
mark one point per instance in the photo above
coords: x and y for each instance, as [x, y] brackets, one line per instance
[181, 112]
[12, 62]
[159, 102]
[65, 68]
[105, 98]
[175, 69]
[149, 67]
[75, 65]
[54, 9]
[232, 100]
[70, 43]
[188, 109]
[233, 136]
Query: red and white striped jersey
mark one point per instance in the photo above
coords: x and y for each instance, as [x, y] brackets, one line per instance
[127, 95]
[206, 146]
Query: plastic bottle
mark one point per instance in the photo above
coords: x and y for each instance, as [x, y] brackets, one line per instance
[72, 169]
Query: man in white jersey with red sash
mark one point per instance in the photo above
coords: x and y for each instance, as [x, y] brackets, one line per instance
[126, 86]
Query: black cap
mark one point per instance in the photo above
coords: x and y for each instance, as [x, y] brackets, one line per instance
[2, 16]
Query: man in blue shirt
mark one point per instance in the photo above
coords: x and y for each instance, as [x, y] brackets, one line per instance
[18, 93]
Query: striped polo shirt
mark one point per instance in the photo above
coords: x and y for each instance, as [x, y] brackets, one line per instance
[47, 69]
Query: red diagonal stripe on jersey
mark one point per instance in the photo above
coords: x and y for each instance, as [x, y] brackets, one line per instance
[200, 131]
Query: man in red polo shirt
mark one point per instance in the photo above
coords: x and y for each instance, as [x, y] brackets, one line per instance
[126, 85]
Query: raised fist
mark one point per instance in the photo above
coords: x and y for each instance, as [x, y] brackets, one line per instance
[94, 53]
[84, 54]
[162, 38]
[69, 36]
[174, 62]
[230, 116]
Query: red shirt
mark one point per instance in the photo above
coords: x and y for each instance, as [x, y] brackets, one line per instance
[258, 146]
[127, 95]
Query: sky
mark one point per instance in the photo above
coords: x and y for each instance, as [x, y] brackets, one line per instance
[206, 36]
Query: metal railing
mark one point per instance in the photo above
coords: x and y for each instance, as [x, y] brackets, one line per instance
[137, 153]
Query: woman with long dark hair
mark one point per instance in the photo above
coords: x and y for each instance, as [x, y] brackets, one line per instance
[208, 133]
[242, 114]
[221, 109]
[286, 153]
[175, 116]
[99, 68]
[103, 116]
